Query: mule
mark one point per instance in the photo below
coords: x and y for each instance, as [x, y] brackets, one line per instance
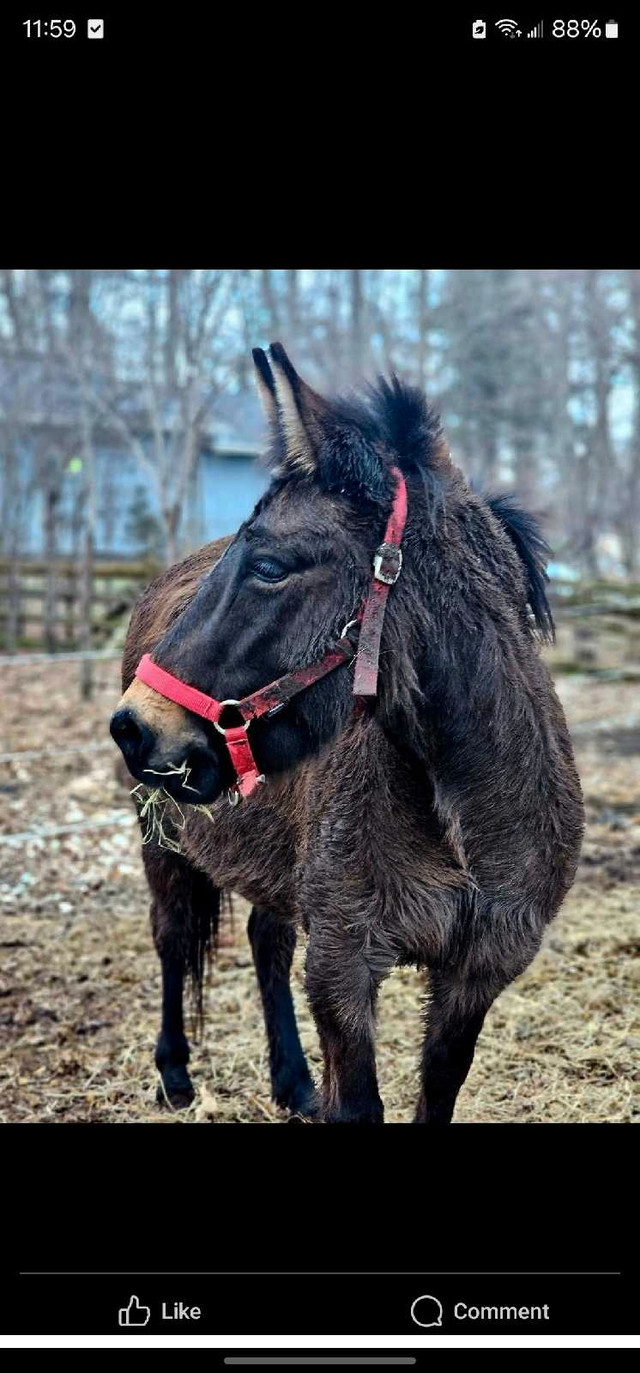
[436, 822]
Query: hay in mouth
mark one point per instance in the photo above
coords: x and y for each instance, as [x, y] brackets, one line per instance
[172, 771]
[153, 804]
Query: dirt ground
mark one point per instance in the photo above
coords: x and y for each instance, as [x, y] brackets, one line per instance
[80, 984]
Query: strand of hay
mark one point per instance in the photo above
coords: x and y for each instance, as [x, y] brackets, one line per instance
[172, 771]
[153, 804]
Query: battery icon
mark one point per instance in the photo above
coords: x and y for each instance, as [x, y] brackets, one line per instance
[611, 29]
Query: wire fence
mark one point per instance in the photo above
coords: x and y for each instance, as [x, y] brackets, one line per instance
[84, 658]
[26, 754]
[87, 655]
[27, 660]
[77, 827]
[115, 818]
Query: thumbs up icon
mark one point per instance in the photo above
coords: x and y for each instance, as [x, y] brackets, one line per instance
[134, 1313]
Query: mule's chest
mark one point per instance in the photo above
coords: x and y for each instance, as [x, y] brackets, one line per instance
[252, 849]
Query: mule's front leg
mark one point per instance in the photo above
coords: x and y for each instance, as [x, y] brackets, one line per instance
[172, 1048]
[184, 917]
[342, 991]
[273, 942]
[459, 999]
[457, 1008]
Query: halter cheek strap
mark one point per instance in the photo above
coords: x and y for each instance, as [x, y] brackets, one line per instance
[387, 565]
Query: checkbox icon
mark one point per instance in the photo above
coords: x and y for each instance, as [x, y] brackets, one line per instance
[95, 28]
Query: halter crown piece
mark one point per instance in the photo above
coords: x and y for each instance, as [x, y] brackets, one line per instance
[387, 565]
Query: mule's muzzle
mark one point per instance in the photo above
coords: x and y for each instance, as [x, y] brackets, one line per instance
[187, 767]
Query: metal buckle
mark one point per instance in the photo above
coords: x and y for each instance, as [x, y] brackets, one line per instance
[387, 553]
[234, 795]
[220, 728]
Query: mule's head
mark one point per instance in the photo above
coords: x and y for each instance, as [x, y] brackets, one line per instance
[285, 588]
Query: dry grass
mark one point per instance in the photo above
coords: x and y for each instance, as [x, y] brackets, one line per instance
[79, 988]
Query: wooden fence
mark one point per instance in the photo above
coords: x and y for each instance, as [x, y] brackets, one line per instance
[41, 603]
[41, 607]
[597, 629]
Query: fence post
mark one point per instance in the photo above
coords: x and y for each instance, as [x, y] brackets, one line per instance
[585, 645]
[50, 576]
[13, 603]
[89, 513]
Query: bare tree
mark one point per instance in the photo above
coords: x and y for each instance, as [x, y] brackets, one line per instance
[357, 321]
[528, 368]
[270, 302]
[159, 409]
[631, 488]
[423, 324]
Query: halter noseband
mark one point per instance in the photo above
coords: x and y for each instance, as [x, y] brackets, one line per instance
[387, 564]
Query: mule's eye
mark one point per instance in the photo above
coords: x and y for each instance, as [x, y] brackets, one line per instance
[268, 570]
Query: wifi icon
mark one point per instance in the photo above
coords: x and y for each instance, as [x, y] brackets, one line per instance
[508, 27]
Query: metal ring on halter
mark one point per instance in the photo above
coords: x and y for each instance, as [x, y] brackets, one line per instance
[347, 627]
[220, 728]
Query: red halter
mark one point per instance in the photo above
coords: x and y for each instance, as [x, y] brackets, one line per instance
[387, 563]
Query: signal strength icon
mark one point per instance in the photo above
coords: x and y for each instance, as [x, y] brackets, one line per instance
[536, 31]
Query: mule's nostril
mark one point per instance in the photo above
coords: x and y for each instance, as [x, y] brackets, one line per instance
[124, 726]
[134, 738]
[128, 730]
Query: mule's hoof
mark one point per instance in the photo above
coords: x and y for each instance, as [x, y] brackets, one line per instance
[372, 1115]
[306, 1111]
[176, 1089]
[299, 1098]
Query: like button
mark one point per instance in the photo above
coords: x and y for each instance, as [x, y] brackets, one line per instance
[134, 1313]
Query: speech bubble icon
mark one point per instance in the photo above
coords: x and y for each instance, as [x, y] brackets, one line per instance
[427, 1312]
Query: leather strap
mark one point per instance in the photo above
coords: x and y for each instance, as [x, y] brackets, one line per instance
[176, 690]
[387, 564]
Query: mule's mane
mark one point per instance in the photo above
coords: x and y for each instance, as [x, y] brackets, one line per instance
[388, 415]
[525, 534]
[353, 439]
[399, 416]
[392, 422]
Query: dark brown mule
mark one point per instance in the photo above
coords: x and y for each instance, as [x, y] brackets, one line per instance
[438, 826]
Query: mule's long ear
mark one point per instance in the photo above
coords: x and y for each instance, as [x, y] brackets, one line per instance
[266, 387]
[334, 440]
[303, 413]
